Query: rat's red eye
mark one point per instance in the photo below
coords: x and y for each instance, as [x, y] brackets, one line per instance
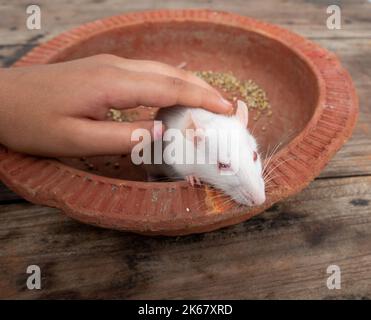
[223, 166]
[255, 156]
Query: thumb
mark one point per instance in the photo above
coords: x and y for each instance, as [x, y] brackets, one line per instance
[109, 137]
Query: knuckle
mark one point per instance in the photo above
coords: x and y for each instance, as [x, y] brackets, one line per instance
[103, 71]
[177, 83]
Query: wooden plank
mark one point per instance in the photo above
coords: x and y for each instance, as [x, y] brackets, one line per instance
[307, 17]
[283, 253]
[9, 54]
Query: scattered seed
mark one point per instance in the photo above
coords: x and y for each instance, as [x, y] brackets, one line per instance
[117, 115]
[114, 114]
[254, 96]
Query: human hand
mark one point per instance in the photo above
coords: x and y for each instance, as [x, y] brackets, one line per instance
[60, 109]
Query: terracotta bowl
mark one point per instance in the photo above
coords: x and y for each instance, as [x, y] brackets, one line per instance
[312, 97]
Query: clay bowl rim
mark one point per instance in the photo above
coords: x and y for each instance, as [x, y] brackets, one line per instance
[307, 51]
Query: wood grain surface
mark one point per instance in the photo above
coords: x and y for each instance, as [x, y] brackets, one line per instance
[282, 253]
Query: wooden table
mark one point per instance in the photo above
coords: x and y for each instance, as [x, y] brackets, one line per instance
[283, 253]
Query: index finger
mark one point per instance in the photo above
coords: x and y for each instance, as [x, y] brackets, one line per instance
[130, 89]
[157, 67]
[165, 69]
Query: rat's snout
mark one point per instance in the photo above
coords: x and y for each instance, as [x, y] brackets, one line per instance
[258, 196]
[252, 199]
[258, 199]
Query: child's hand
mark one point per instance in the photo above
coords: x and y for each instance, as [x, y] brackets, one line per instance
[59, 109]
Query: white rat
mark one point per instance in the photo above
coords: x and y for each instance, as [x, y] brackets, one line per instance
[235, 171]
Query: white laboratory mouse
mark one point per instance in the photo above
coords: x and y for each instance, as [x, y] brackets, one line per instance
[232, 165]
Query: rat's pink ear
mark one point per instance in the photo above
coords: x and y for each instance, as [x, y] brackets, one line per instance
[242, 112]
[194, 125]
[192, 122]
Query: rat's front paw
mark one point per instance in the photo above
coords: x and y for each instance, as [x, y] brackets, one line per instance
[192, 180]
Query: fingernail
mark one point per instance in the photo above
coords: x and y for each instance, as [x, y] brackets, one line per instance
[217, 92]
[227, 104]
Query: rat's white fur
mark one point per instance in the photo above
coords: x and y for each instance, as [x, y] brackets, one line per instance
[246, 186]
